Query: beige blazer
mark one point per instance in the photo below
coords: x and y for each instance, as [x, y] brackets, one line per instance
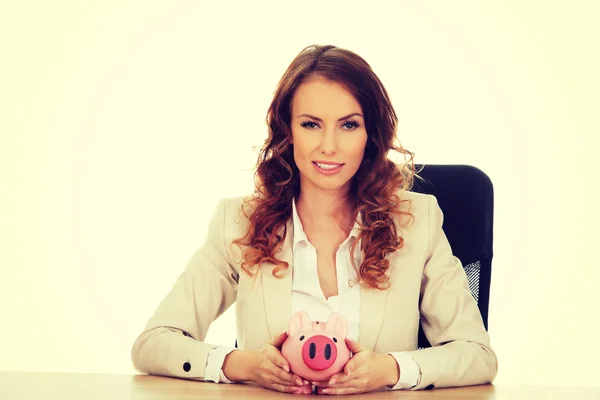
[426, 280]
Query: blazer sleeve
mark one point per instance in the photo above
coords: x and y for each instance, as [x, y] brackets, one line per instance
[172, 342]
[461, 354]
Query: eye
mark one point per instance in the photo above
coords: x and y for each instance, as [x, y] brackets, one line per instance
[302, 338]
[351, 125]
[335, 340]
[309, 125]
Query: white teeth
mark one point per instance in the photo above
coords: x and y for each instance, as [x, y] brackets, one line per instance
[328, 166]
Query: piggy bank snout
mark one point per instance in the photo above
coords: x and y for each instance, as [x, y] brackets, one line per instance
[319, 352]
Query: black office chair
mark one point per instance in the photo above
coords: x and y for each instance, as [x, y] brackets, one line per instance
[466, 196]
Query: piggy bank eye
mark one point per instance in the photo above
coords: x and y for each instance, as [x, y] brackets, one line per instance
[335, 340]
[302, 338]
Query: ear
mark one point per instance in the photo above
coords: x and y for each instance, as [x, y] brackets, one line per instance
[299, 321]
[336, 323]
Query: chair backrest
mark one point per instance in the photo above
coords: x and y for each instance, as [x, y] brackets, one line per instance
[466, 196]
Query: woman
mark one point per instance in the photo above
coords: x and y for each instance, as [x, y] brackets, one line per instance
[333, 227]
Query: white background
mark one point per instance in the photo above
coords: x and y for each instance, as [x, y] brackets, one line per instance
[123, 122]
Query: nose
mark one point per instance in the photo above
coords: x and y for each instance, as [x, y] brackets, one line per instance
[329, 142]
[319, 353]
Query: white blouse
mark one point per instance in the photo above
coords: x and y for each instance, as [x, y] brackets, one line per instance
[308, 296]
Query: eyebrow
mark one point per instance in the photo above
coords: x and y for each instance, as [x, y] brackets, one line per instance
[320, 120]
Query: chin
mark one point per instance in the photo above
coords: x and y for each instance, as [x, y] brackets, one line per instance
[333, 184]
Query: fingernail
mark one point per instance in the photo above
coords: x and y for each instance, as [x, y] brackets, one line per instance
[286, 368]
[298, 382]
[332, 381]
[348, 373]
[325, 391]
[305, 382]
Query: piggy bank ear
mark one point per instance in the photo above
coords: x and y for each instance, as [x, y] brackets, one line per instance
[299, 321]
[337, 324]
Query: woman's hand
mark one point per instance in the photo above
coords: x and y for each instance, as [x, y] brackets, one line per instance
[366, 371]
[273, 371]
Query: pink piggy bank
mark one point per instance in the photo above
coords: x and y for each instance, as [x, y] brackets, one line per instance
[316, 350]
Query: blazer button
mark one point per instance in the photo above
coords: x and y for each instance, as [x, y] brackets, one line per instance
[187, 367]
[429, 387]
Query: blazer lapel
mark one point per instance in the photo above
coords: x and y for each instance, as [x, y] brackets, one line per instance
[277, 292]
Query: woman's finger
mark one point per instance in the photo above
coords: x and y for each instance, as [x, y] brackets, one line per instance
[277, 359]
[282, 370]
[337, 391]
[286, 377]
[283, 388]
[304, 390]
[278, 340]
[338, 379]
[352, 365]
[353, 382]
[276, 380]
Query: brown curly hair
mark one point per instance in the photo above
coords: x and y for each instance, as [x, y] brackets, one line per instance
[373, 191]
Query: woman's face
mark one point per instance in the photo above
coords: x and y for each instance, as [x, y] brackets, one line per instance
[328, 134]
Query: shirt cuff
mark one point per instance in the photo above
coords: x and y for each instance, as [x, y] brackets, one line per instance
[214, 364]
[410, 373]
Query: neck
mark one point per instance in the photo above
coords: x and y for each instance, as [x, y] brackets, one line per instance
[327, 205]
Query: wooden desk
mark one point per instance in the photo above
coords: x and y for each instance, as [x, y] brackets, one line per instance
[41, 385]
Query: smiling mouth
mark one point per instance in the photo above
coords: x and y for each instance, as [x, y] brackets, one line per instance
[327, 167]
